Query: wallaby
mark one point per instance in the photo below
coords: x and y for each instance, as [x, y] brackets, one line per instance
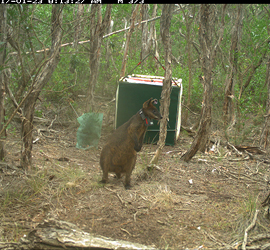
[119, 154]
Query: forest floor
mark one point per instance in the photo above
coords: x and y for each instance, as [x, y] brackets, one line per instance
[205, 204]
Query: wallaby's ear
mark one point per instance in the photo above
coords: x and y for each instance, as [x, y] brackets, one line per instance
[147, 103]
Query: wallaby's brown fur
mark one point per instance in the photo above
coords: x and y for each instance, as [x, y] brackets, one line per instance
[120, 152]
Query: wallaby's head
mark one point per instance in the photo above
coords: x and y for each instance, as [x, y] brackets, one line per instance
[150, 110]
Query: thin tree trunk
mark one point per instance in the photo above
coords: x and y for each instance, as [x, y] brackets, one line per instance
[206, 30]
[188, 22]
[124, 20]
[185, 113]
[132, 25]
[228, 105]
[157, 65]
[78, 25]
[38, 84]
[97, 30]
[3, 18]
[265, 131]
[109, 60]
[165, 23]
[149, 42]
[253, 69]
[145, 33]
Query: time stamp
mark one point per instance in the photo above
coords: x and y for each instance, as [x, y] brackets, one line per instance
[68, 1]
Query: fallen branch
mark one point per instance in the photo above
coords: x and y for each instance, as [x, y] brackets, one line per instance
[248, 228]
[266, 201]
[55, 234]
[52, 122]
[259, 237]
[212, 237]
[234, 148]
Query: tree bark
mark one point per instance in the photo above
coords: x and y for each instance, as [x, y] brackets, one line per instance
[145, 33]
[130, 31]
[109, 59]
[228, 105]
[148, 35]
[54, 234]
[39, 82]
[188, 22]
[97, 30]
[3, 18]
[165, 23]
[265, 131]
[206, 31]
[78, 25]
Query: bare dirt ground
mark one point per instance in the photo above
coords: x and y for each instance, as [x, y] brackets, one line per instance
[204, 204]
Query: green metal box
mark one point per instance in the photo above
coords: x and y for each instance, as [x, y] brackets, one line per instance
[134, 90]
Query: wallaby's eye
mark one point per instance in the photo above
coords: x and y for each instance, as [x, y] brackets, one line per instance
[154, 111]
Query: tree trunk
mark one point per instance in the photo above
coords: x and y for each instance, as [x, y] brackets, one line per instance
[3, 18]
[228, 105]
[206, 31]
[39, 82]
[78, 25]
[165, 23]
[145, 33]
[265, 130]
[109, 59]
[97, 30]
[188, 22]
[132, 25]
[54, 234]
[148, 36]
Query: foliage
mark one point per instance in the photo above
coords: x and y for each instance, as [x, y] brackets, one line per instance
[30, 25]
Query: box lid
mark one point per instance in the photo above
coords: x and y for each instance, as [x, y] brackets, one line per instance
[146, 79]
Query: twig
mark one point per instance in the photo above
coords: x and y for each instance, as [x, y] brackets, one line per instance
[52, 122]
[241, 178]
[73, 109]
[248, 228]
[190, 110]
[11, 96]
[234, 148]
[266, 201]
[126, 231]
[260, 237]
[212, 237]
[87, 41]
[249, 154]
[119, 197]
[241, 159]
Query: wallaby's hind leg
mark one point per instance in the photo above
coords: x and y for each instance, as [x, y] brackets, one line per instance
[105, 163]
[105, 170]
[104, 177]
[129, 171]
